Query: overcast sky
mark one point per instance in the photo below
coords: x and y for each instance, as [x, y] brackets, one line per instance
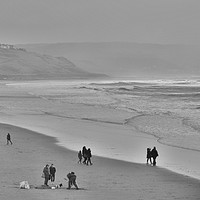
[143, 21]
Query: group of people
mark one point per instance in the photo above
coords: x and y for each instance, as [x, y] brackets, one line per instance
[152, 154]
[49, 174]
[86, 155]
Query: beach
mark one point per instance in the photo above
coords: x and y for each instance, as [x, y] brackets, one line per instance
[105, 179]
[50, 121]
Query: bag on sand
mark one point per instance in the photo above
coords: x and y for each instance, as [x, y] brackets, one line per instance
[24, 185]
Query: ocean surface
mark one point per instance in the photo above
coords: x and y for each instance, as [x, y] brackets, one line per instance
[119, 118]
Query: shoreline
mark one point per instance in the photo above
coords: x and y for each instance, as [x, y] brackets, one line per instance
[159, 139]
[116, 179]
[175, 170]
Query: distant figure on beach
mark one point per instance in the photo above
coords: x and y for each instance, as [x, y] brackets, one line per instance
[80, 157]
[84, 153]
[89, 155]
[71, 180]
[149, 156]
[46, 174]
[154, 154]
[9, 139]
[52, 170]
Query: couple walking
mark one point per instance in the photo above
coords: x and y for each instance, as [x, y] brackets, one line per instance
[152, 154]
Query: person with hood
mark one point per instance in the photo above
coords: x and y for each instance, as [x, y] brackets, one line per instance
[154, 154]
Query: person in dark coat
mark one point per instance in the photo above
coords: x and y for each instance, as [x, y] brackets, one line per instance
[52, 170]
[80, 156]
[9, 139]
[72, 180]
[46, 174]
[89, 155]
[154, 154]
[84, 153]
[149, 156]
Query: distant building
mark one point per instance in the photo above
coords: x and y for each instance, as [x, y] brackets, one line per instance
[9, 46]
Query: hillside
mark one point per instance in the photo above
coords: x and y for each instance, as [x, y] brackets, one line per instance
[120, 59]
[18, 64]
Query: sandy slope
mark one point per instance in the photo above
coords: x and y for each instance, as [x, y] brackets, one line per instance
[106, 179]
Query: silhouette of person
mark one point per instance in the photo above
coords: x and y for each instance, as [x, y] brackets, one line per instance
[84, 153]
[52, 170]
[89, 155]
[72, 180]
[149, 156]
[80, 157]
[9, 139]
[46, 174]
[154, 154]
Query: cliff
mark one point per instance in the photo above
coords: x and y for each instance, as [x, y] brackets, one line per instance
[16, 64]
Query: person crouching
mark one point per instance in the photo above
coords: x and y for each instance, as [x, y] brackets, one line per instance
[71, 180]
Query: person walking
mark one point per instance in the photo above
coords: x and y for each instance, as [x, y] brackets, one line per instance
[72, 180]
[89, 155]
[154, 154]
[149, 156]
[84, 153]
[46, 175]
[9, 139]
[52, 170]
[80, 156]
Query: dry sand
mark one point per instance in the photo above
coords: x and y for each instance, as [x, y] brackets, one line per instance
[105, 179]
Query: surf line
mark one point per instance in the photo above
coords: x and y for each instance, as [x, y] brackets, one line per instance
[84, 118]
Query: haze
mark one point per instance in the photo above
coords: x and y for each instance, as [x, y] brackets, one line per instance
[142, 21]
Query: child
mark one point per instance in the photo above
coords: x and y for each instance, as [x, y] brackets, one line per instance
[80, 157]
